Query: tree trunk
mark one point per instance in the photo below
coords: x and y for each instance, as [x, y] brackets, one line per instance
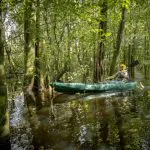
[27, 16]
[118, 42]
[99, 62]
[4, 119]
[37, 75]
[36, 85]
[130, 60]
[146, 55]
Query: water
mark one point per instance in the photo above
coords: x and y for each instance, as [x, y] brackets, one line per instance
[108, 121]
[21, 136]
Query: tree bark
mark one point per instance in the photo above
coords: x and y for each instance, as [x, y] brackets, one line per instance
[99, 63]
[27, 16]
[36, 85]
[4, 117]
[37, 74]
[118, 42]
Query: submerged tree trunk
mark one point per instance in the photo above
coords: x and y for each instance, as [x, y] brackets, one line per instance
[4, 118]
[99, 63]
[118, 42]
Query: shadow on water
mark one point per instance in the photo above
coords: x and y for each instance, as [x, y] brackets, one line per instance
[108, 121]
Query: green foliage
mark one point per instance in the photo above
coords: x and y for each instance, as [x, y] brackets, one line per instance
[70, 30]
[132, 130]
[126, 4]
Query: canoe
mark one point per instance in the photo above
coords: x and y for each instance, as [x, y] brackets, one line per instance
[95, 87]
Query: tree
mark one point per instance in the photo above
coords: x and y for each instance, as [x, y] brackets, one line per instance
[37, 74]
[27, 23]
[118, 41]
[4, 122]
[99, 63]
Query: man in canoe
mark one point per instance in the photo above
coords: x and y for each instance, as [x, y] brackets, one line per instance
[121, 75]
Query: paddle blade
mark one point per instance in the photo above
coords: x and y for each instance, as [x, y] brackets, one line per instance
[134, 63]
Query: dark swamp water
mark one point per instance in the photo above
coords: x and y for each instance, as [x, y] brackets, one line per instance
[108, 121]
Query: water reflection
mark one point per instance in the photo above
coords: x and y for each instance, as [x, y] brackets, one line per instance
[21, 136]
[115, 122]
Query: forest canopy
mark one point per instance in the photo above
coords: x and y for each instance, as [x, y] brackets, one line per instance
[78, 40]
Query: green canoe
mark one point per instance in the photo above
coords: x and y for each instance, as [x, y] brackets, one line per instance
[95, 87]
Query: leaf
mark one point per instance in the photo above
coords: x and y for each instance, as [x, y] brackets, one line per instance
[107, 34]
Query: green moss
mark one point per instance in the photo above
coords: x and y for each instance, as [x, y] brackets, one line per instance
[2, 99]
[1, 70]
[4, 129]
[3, 107]
[3, 90]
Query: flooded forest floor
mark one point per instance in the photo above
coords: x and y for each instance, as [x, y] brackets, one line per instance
[106, 121]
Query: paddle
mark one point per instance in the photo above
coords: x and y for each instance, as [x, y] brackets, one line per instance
[134, 63]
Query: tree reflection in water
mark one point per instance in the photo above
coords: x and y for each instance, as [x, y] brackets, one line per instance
[111, 122]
